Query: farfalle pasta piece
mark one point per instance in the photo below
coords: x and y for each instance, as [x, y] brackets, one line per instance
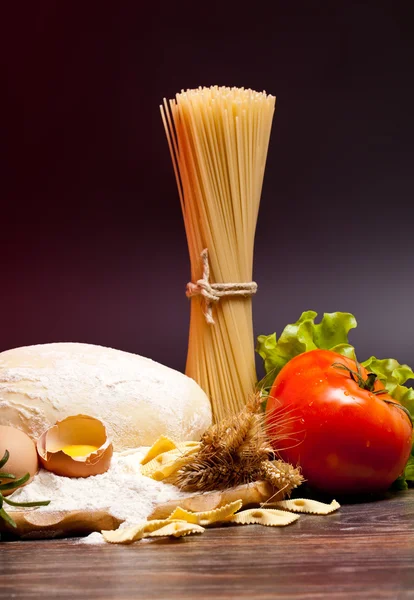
[169, 462]
[304, 505]
[161, 445]
[207, 517]
[165, 444]
[263, 516]
[176, 529]
[164, 465]
[251, 494]
[184, 515]
[128, 535]
[158, 466]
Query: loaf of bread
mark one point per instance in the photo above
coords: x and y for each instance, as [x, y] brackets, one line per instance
[137, 398]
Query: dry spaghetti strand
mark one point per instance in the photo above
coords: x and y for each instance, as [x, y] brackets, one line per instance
[218, 139]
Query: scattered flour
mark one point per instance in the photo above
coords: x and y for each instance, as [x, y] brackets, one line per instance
[123, 491]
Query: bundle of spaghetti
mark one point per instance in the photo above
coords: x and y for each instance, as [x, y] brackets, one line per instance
[218, 139]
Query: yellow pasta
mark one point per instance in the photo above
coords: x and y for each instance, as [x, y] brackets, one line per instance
[163, 465]
[263, 516]
[176, 529]
[156, 528]
[161, 445]
[304, 505]
[167, 463]
[128, 535]
[184, 515]
[184, 522]
[208, 517]
[218, 139]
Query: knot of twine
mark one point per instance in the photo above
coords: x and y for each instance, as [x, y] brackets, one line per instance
[213, 292]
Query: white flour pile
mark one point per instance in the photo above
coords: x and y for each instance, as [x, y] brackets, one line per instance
[123, 491]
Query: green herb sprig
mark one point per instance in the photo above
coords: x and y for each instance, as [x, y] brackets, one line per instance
[10, 486]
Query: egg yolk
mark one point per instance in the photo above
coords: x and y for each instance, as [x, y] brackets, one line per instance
[76, 450]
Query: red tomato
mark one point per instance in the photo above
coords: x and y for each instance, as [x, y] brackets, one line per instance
[346, 439]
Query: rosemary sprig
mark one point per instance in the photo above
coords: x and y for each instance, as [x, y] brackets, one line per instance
[4, 459]
[10, 486]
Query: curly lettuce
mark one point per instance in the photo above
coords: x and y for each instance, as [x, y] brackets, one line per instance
[393, 375]
[332, 334]
[304, 335]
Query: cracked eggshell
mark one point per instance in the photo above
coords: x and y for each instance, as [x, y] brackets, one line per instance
[77, 430]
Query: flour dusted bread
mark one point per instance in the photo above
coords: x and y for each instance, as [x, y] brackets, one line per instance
[138, 398]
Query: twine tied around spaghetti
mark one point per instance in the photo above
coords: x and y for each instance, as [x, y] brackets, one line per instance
[213, 292]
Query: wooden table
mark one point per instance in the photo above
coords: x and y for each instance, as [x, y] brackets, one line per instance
[365, 550]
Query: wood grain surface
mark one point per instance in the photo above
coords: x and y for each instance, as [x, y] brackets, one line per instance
[365, 550]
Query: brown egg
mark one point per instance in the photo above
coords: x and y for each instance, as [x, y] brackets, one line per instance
[77, 446]
[23, 456]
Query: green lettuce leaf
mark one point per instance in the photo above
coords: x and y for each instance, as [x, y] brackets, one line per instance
[407, 477]
[304, 335]
[409, 468]
[393, 375]
[332, 334]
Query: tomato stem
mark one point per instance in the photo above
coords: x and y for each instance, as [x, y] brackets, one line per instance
[369, 383]
[365, 384]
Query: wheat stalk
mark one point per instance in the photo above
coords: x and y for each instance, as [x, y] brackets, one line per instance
[236, 451]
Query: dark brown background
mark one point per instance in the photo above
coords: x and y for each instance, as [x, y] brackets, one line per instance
[92, 244]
